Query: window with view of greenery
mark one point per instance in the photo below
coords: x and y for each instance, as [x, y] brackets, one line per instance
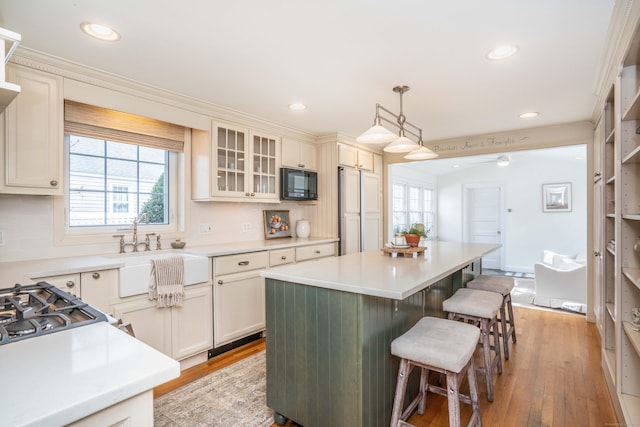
[413, 204]
[112, 183]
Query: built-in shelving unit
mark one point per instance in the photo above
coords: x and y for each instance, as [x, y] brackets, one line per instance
[621, 231]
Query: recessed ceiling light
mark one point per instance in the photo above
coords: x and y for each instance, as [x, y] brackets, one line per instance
[502, 52]
[455, 166]
[100, 32]
[297, 106]
[529, 115]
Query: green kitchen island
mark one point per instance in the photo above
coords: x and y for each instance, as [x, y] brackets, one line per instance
[330, 323]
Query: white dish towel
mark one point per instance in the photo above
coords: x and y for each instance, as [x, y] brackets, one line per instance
[166, 284]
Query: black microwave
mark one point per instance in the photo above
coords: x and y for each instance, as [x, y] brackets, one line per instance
[298, 184]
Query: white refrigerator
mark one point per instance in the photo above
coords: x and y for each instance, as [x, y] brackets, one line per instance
[360, 210]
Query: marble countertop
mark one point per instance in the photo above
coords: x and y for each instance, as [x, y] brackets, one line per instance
[378, 274]
[23, 272]
[61, 377]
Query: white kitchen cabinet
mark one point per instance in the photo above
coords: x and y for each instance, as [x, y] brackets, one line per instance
[305, 253]
[282, 256]
[135, 411]
[151, 325]
[33, 135]
[69, 283]
[298, 154]
[91, 287]
[238, 295]
[191, 324]
[178, 332]
[235, 164]
[355, 157]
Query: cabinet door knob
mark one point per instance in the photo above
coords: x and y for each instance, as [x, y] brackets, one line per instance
[96, 275]
[243, 263]
[220, 282]
[300, 165]
[70, 283]
[317, 252]
[53, 183]
[283, 257]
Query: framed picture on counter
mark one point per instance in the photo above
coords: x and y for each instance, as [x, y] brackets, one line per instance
[556, 197]
[276, 224]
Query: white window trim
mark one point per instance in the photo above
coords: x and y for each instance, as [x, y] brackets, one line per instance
[179, 194]
[423, 185]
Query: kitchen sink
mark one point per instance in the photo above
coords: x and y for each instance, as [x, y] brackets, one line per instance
[134, 276]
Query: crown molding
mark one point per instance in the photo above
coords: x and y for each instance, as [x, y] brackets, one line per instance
[71, 70]
[560, 135]
[622, 28]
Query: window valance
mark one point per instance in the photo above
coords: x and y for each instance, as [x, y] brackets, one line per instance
[97, 122]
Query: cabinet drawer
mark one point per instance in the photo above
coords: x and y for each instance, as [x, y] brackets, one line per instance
[238, 263]
[68, 283]
[315, 251]
[282, 256]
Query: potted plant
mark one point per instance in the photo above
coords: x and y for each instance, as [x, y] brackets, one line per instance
[414, 234]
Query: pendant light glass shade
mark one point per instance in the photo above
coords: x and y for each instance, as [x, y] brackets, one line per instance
[401, 145]
[377, 134]
[422, 153]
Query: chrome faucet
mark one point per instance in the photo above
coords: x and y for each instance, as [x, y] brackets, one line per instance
[134, 243]
[145, 217]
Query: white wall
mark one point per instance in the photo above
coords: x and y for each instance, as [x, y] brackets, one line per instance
[527, 229]
[27, 223]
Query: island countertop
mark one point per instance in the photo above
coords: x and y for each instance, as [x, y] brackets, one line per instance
[376, 273]
[59, 378]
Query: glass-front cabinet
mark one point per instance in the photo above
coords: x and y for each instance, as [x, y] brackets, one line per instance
[235, 163]
[247, 163]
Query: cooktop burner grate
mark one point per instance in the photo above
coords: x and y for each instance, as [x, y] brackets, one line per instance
[33, 310]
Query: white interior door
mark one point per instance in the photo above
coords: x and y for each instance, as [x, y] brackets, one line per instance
[484, 220]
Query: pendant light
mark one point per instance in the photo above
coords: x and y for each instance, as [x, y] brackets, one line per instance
[421, 153]
[399, 143]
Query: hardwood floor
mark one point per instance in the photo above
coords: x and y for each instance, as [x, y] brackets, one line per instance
[553, 377]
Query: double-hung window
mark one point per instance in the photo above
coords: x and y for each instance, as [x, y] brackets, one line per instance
[413, 204]
[119, 166]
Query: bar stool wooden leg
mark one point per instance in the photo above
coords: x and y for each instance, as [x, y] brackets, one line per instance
[488, 374]
[453, 399]
[473, 394]
[505, 336]
[512, 322]
[401, 386]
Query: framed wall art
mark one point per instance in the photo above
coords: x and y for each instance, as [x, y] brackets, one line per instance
[556, 197]
[276, 224]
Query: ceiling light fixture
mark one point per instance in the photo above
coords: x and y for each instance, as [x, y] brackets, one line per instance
[399, 143]
[503, 160]
[100, 32]
[529, 115]
[297, 106]
[502, 52]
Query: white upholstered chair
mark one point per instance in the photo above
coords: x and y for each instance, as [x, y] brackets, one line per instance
[561, 281]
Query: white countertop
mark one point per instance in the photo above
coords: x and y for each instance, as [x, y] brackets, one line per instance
[376, 273]
[24, 272]
[61, 377]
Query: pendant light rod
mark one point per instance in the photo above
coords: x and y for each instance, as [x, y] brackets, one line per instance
[384, 119]
[400, 143]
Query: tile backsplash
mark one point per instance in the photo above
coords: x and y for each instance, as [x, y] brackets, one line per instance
[27, 223]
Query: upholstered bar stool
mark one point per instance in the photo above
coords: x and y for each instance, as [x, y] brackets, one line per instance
[443, 346]
[480, 308]
[502, 285]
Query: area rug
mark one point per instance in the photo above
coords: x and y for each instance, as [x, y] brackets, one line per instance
[230, 397]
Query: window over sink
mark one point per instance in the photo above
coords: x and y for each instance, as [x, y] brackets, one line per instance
[119, 166]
